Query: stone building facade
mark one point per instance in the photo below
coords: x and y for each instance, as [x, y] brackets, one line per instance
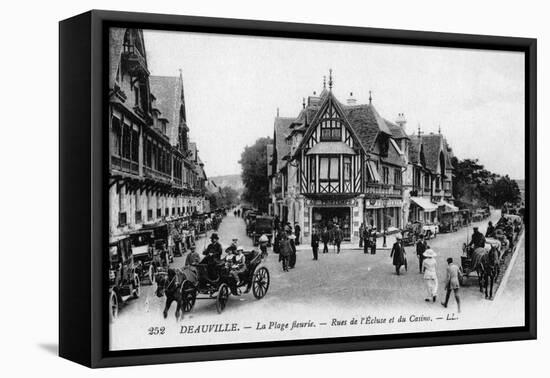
[155, 173]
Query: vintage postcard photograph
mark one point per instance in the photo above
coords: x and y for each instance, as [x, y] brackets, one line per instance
[266, 189]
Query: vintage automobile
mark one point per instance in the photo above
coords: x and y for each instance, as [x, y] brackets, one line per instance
[263, 225]
[161, 240]
[255, 278]
[124, 282]
[408, 237]
[145, 261]
[250, 219]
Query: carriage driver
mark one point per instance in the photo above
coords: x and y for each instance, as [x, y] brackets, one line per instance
[213, 254]
[478, 240]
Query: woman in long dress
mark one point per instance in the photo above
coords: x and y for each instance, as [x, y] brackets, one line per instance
[430, 274]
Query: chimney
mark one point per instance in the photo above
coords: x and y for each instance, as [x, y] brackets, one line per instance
[401, 121]
[351, 100]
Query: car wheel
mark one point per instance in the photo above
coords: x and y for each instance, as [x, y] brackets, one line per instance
[137, 286]
[113, 307]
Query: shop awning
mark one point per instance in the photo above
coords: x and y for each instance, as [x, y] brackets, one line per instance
[424, 203]
[373, 171]
[448, 206]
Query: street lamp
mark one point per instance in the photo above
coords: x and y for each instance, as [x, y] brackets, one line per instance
[385, 203]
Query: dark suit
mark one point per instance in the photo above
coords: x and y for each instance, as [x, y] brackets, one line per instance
[315, 245]
[325, 237]
[421, 247]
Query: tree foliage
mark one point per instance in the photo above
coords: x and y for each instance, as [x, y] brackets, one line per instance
[254, 173]
[475, 186]
[225, 197]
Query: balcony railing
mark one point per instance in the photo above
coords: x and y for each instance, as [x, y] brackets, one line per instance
[377, 189]
[134, 59]
[124, 165]
[157, 175]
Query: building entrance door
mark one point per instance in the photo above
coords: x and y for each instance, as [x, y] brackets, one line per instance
[330, 216]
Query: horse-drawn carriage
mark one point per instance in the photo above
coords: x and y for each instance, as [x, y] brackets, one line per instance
[484, 262]
[124, 282]
[450, 221]
[215, 282]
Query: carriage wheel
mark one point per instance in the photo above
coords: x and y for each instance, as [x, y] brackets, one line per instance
[189, 295]
[137, 286]
[260, 282]
[113, 311]
[151, 275]
[223, 296]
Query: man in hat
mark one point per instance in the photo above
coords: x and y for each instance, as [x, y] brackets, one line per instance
[315, 243]
[325, 238]
[398, 254]
[478, 240]
[421, 247]
[284, 250]
[236, 267]
[338, 237]
[292, 256]
[365, 239]
[213, 255]
[373, 241]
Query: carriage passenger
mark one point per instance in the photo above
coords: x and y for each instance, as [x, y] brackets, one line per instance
[237, 265]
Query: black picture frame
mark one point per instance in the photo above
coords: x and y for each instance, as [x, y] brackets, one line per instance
[83, 203]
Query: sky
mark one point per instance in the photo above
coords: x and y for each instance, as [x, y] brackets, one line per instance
[235, 84]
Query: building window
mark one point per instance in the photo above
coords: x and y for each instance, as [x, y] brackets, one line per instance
[116, 136]
[385, 175]
[331, 130]
[138, 216]
[126, 141]
[122, 219]
[438, 183]
[329, 169]
[173, 211]
[397, 177]
[426, 182]
[167, 211]
[159, 213]
[150, 214]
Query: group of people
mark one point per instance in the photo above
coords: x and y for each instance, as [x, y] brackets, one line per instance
[367, 238]
[327, 236]
[285, 245]
[427, 266]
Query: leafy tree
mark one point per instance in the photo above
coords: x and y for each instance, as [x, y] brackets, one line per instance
[254, 173]
[505, 190]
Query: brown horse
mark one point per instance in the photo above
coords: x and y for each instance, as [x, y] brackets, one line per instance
[491, 270]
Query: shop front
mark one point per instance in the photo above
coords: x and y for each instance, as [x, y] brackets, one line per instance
[321, 213]
[384, 213]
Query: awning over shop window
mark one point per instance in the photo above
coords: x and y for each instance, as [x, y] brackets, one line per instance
[424, 203]
[373, 171]
[331, 148]
[448, 206]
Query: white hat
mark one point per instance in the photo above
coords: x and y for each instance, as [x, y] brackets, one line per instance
[399, 236]
[429, 253]
[291, 237]
[263, 238]
[240, 248]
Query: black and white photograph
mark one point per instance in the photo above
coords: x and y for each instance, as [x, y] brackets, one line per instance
[264, 189]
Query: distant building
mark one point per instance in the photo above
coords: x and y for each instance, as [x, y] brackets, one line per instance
[428, 179]
[155, 173]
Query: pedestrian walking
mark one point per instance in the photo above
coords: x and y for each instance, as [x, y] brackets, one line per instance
[366, 240]
[292, 257]
[325, 238]
[315, 244]
[421, 247]
[284, 251]
[398, 255]
[452, 283]
[430, 274]
[338, 237]
[373, 241]
[297, 230]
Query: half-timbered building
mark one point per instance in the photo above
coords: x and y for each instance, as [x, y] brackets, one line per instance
[336, 163]
[152, 176]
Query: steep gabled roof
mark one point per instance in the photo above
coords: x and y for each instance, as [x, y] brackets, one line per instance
[282, 130]
[433, 146]
[414, 149]
[367, 123]
[166, 90]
